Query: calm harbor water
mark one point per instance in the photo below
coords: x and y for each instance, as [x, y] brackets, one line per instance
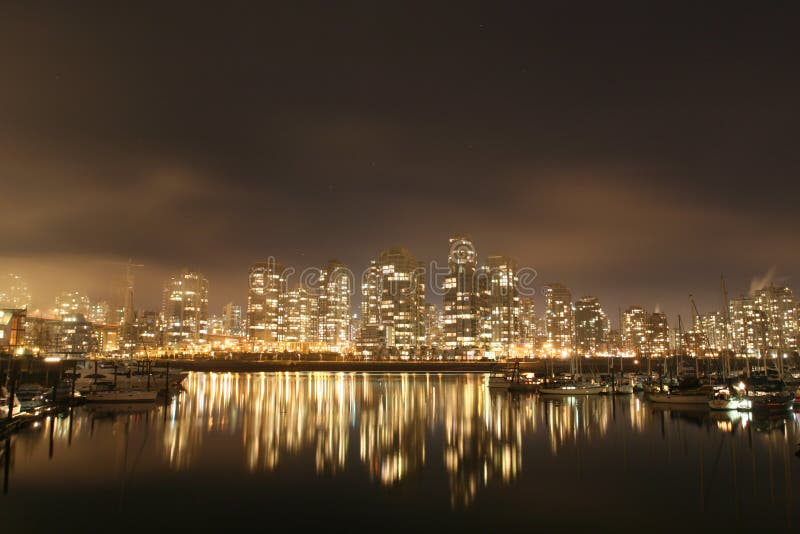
[355, 451]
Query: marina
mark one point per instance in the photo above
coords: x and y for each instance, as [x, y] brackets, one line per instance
[443, 449]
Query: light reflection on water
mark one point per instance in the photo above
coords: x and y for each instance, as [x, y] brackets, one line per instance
[399, 429]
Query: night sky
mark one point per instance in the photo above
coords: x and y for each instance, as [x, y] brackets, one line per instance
[634, 152]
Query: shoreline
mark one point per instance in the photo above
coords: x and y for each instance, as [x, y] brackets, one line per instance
[244, 366]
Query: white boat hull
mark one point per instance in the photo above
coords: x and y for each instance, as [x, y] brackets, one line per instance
[723, 404]
[123, 397]
[570, 390]
[666, 398]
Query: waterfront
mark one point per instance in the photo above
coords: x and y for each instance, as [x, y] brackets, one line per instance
[354, 451]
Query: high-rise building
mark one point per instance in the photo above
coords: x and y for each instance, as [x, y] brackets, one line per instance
[335, 287]
[71, 302]
[559, 317]
[393, 304]
[148, 330]
[780, 308]
[499, 304]
[748, 327]
[99, 313]
[634, 330]
[302, 325]
[432, 326]
[460, 309]
[232, 319]
[714, 330]
[14, 292]
[265, 300]
[591, 325]
[527, 320]
[185, 310]
[657, 334]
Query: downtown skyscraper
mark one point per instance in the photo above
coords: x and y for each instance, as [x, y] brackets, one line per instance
[335, 287]
[460, 306]
[499, 305]
[559, 318]
[591, 325]
[393, 312]
[184, 310]
[265, 301]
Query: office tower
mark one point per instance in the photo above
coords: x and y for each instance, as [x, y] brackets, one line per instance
[780, 308]
[499, 304]
[265, 300]
[591, 325]
[335, 286]
[559, 318]
[460, 309]
[634, 330]
[185, 310]
[232, 319]
[657, 334]
[72, 302]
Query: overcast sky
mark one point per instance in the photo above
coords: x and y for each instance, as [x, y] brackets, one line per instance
[634, 152]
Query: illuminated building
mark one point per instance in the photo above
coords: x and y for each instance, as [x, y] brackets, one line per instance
[185, 310]
[14, 292]
[301, 319]
[75, 335]
[559, 318]
[334, 306]
[591, 325]
[748, 327]
[460, 311]
[12, 328]
[527, 320]
[232, 319]
[99, 313]
[634, 330]
[265, 299]
[432, 326]
[369, 339]
[148, 330]
[780, 308]
[72, 302]
[714, 330]
[393, 304]
[499, 304]
[657, 334]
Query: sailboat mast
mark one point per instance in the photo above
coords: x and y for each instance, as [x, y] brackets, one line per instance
[727, 327]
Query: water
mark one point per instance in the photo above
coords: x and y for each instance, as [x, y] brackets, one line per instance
[359, 451]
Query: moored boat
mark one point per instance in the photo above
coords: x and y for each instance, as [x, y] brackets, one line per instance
[723, 401]
[16, 408]
[124, 396]
[570, 388]
[700, 396]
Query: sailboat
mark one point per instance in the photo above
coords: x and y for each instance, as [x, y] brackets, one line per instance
[16, 407]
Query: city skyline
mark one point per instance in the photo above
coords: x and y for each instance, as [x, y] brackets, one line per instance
[468, 309]
[623, 152]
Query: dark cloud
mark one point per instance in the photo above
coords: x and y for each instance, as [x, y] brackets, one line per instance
[631, 151]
